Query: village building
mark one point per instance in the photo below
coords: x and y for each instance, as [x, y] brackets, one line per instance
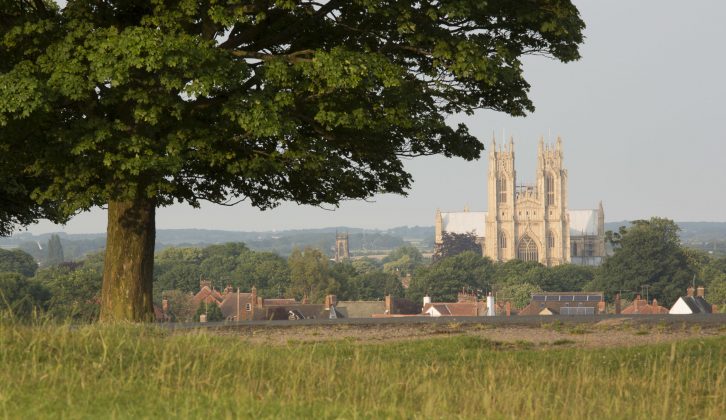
[207, 294]
[246, 306]
[640, 306]
[530, 222]
[690, 304]
[565, 303]
[467, 304]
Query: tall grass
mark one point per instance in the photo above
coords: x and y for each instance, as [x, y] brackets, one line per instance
[143, 371]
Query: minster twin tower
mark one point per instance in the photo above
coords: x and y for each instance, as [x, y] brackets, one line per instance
[530, 222]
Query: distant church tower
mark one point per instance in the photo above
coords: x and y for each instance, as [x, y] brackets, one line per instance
[527, 222]
[341, 247]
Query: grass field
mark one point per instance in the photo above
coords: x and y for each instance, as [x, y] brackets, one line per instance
[96, 371]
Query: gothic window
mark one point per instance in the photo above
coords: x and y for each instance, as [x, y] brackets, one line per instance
[502, 189]
[550, 189]
[589, 249]
[550, 240]
[248, 307]
[573, 252]
[502, 240]
[527, 249]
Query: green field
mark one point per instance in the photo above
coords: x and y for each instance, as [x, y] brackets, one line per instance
[139, 372]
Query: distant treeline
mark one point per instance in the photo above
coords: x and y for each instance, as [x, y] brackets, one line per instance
[76, 246]
[706, 236]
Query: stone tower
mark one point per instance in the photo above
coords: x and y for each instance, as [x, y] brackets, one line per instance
[341, 247]
[528, 222]
[500, 232]
[552, 189]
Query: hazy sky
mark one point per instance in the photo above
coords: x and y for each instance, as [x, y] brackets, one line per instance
[641, 116]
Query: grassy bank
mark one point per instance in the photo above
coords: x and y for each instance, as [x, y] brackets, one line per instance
[127, 371]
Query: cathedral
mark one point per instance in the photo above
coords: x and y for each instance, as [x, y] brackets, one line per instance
[530, 222]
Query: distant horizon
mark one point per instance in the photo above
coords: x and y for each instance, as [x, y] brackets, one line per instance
[28, 231]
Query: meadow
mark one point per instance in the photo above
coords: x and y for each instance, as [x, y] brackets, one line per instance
[131, 371]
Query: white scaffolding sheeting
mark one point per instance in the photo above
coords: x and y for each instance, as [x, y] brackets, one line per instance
[464, 222]
[583, 222]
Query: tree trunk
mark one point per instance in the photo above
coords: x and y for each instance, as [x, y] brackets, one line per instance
[129, 264]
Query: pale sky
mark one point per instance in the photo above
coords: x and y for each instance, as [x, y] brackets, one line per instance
[641, 117]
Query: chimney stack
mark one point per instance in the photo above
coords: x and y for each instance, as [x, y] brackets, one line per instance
[700, 291]
[689, 291]
[330, 300]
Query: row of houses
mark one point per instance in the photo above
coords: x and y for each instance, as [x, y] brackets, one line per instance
[242, 306]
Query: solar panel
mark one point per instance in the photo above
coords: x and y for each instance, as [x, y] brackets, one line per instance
[577, 310]
[580, 298]
[594, 298]
[538, 298]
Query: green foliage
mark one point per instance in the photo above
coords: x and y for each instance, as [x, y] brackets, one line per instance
[444, 279]
[310, 275]
[183, 276]
[74, 292]
[519, 294]
[17, 261]
[55, 250]
[344, 274]
[403, 260]
[456, 243]
[566, 278]
[181, 306]
[648, 253]
[111, 101]
[228, 264]
[376, 285]
[518, 272]
[712, 275]
[212, 310]
[21, 296]
[366, 265]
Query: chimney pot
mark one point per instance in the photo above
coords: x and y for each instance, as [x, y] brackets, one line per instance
[701, 291]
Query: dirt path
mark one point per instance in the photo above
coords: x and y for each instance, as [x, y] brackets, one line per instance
[606, 333]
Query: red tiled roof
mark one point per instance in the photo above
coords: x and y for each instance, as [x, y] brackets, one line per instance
[640, 306]
[454, 309]
[229, 304]
[278, 302]
[207, 295]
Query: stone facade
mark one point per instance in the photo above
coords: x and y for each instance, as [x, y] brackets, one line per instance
[530, 222]
[341, 247]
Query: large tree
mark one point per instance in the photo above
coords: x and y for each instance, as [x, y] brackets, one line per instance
[648, 255]
[132, 105]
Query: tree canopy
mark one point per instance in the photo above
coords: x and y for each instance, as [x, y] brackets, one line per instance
[453, 243]
[137, 104]
[647, 254]
[17, 261]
